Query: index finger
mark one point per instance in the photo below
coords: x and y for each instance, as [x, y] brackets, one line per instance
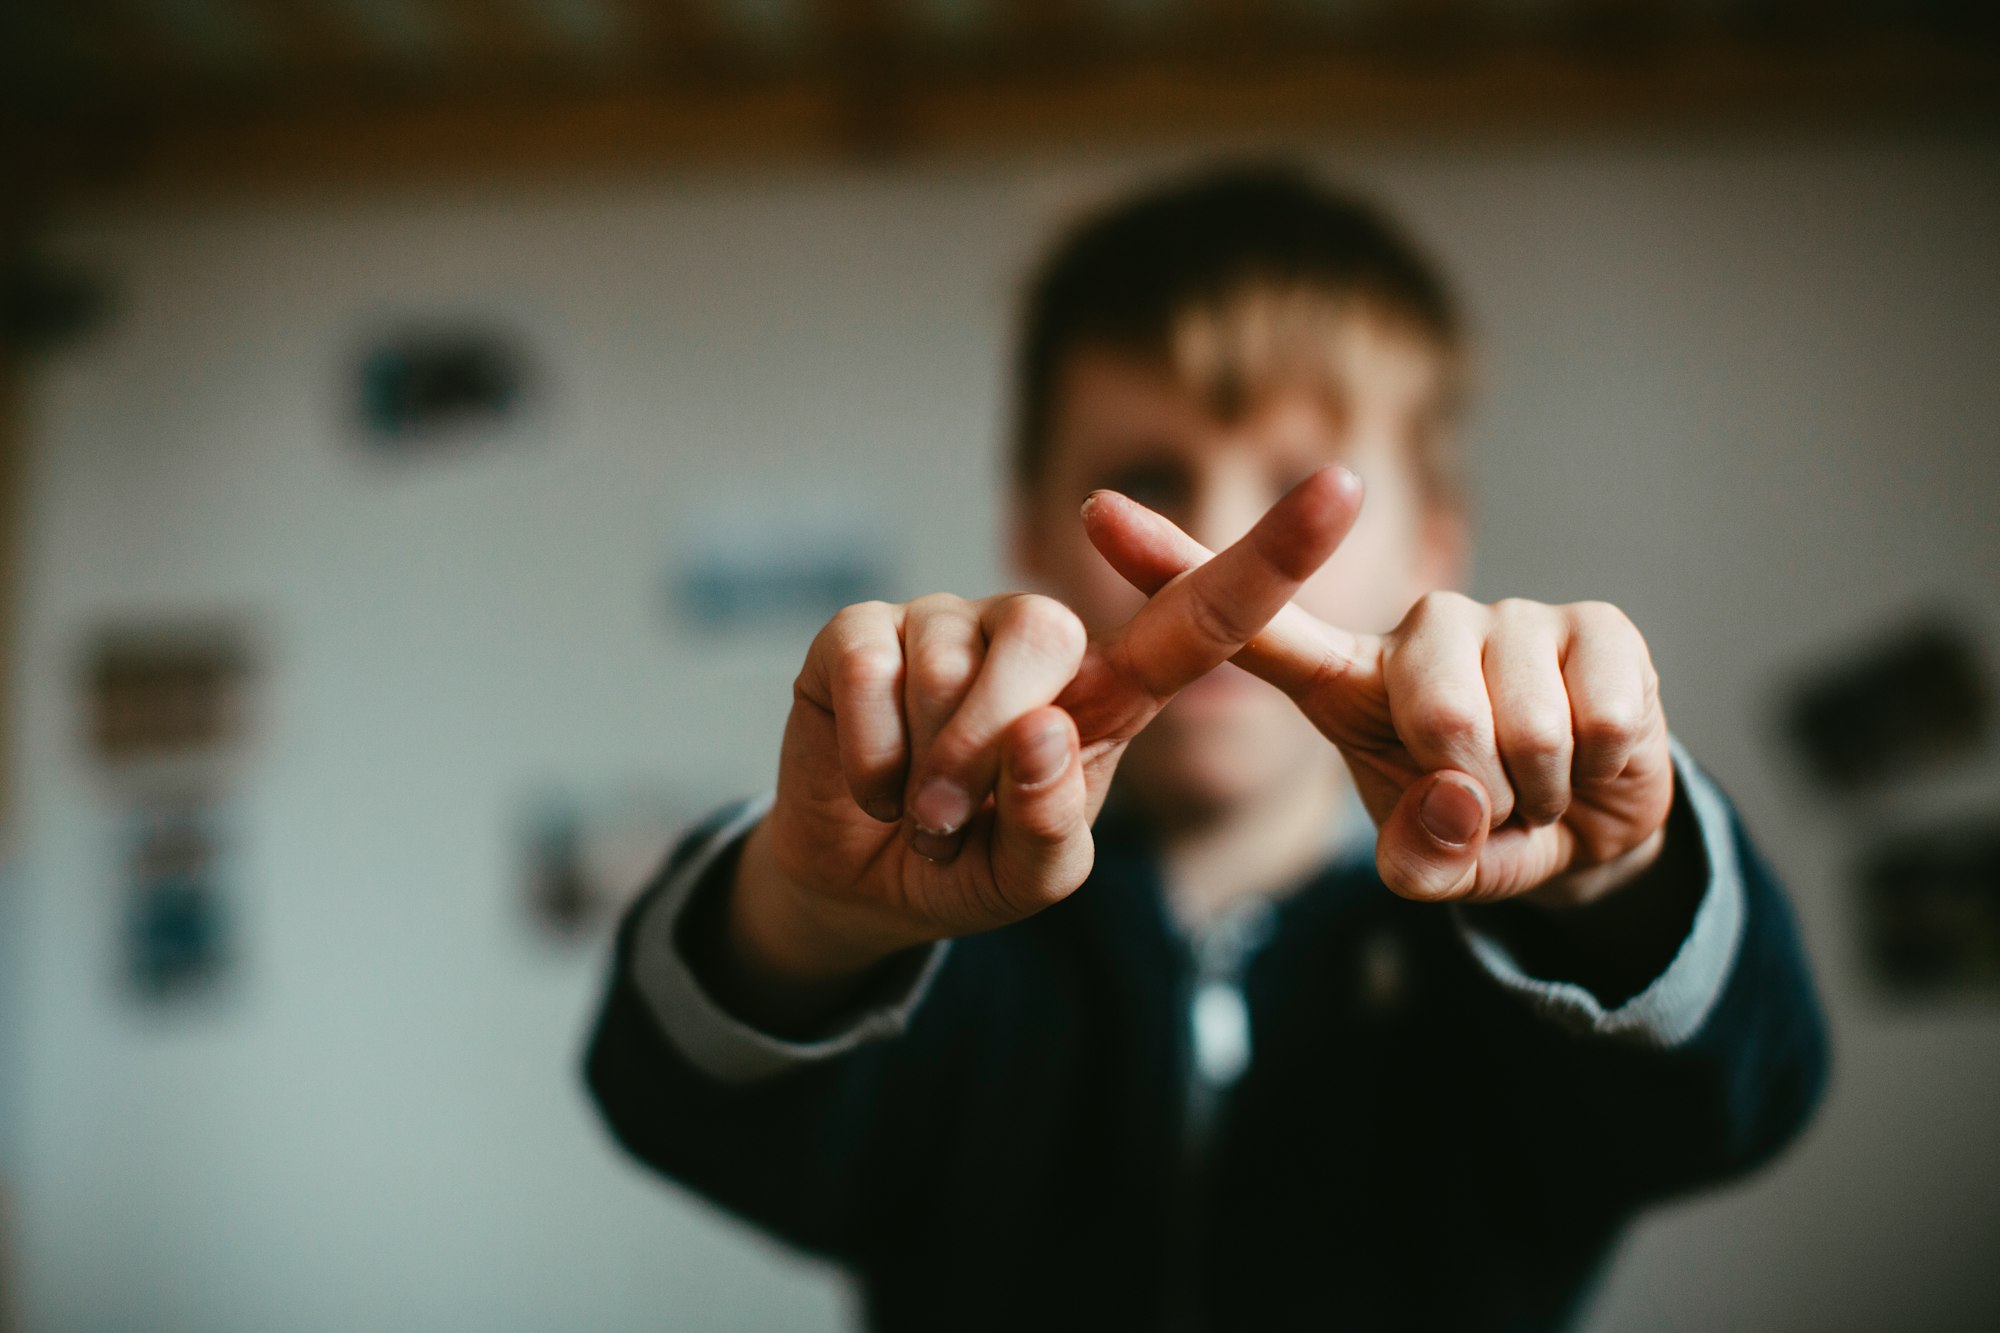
[1208, 612]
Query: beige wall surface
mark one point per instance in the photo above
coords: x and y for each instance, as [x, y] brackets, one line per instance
[1747, 392]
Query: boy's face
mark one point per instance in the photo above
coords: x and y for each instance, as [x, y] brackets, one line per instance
[1125, 423]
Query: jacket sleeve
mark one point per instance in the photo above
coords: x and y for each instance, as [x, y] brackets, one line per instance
[715, 1040]
[1672, 1007]
[1516, 1122]
[820, 1143]
[1703, 1075]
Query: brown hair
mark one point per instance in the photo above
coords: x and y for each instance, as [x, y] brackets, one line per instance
[1238, 278]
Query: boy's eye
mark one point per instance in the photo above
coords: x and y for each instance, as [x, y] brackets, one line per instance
[1158, 486]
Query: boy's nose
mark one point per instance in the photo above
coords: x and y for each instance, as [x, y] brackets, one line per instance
[1225, 505]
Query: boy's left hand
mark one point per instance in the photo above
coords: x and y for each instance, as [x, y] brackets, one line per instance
[1511, 750]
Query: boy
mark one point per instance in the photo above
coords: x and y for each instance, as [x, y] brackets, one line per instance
[1191, 1063]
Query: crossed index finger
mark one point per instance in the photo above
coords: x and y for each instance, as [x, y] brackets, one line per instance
[1204, 616]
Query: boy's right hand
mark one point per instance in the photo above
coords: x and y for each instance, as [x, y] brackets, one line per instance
[944, 758]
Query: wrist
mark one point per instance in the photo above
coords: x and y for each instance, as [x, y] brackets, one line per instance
[1616, 935]
[782, 932]
[1581, 888]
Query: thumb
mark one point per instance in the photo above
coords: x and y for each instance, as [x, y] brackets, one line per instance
[1041, 829]
[1429, 846]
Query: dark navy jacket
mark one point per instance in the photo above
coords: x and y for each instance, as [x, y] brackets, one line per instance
[1412, 1146]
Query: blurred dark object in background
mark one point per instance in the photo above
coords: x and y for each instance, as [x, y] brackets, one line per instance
[450, 388]
[207, 92]
[166, 714]
[165, 691]
[1931, 908]
[1912, 701]
[589, 852]
[176, 922]
[45, 304]
[561, 898]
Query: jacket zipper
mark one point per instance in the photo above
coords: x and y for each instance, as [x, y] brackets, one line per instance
[1214, 1050]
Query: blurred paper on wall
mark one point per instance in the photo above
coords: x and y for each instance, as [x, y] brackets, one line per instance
[165, 692]
[177, 921]
[780, 561]
[167, 715]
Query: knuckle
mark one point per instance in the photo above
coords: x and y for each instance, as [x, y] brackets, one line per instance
[941, 665]
[1328, 671]
[1601, 618]
[1213, 621]
[933, 603]
[1541, 736]
[1596, 610]
[1451, 722]
[872, 610]
[1046, 625]
[1441, 603]
[867, 669]
[1610, 723]
[846, 617]
[856, 621]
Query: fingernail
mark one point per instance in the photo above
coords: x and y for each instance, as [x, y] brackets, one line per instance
[942, 806]
[1043, 759]
[938, 847]
[1450, 812]
[884, 810]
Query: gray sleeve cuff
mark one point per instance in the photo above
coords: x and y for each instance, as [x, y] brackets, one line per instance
[1674, 1006]
[717, 1042]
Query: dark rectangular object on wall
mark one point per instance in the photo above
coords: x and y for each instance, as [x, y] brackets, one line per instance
[1931, 908]
[1912, 701]
[172, 690]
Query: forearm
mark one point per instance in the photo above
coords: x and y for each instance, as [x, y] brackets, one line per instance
[776, 1154]
[1642, 1100]
[787, 1133]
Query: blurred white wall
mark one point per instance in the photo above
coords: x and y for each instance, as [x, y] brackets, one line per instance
[1748, 393]
[12, 1005]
